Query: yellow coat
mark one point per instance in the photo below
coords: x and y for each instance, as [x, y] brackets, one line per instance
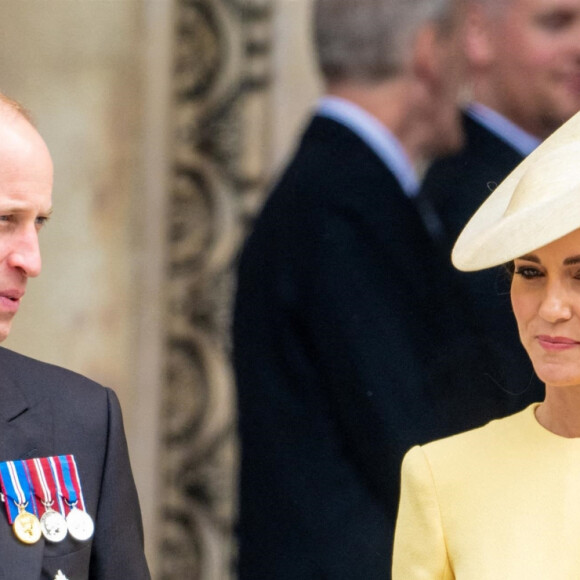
[501, 502]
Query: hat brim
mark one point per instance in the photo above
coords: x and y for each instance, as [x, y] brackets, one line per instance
[548, 181]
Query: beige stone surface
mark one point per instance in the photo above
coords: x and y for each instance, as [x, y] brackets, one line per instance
[296, 83]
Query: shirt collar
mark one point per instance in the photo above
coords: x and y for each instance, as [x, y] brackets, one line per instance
[385, 145]
[503, 128]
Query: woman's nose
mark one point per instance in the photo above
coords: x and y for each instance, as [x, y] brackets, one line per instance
[555, 304]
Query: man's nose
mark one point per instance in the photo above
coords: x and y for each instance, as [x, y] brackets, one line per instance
[25, 254]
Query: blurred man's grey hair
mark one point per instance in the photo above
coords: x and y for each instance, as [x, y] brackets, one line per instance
[370, 40]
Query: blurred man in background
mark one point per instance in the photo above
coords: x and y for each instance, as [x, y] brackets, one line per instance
[342, 362]
[524, 73]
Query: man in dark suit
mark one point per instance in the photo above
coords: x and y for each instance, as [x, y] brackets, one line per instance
[47, 411]
[339, 352]
[524, 66]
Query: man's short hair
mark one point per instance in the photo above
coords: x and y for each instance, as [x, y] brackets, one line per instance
[369, 40]
[10, 106]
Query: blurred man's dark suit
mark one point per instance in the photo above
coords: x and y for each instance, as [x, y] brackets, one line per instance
[342, 363]
[456, 186]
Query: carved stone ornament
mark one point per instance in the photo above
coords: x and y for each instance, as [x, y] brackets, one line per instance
[221, 84]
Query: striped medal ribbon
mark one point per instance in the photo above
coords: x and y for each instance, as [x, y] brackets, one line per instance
[52, 522]
[21, 507]
[79, 523]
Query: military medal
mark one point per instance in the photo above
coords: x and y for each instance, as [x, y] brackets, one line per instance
[52, 523]
[26, 526]
[48, 488]
[79, 523]
[19, 501]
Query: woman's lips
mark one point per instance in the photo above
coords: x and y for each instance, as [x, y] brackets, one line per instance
[556, 342]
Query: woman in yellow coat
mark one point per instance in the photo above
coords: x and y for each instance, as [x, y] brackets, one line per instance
[502, 502]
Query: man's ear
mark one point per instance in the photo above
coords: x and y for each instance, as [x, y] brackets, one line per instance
[477, 37]
[424, 59]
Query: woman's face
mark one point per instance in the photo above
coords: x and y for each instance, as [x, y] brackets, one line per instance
[545, 296]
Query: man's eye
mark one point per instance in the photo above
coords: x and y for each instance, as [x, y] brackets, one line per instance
[556, 20]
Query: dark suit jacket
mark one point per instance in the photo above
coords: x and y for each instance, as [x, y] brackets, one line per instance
[45, 411]
[347, 352]
[456, 187]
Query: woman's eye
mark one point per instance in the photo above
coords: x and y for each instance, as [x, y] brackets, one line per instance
[528, 272]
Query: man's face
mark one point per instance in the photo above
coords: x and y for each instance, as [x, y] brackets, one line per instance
[448, 76]
[25, 204]
[531, 62]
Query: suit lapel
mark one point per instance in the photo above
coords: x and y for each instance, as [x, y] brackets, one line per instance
[26, 430]
[483, 145]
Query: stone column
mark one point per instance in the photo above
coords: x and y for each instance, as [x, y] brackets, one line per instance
[219, 162]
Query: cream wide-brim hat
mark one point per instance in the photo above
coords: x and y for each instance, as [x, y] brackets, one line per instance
[536, 204]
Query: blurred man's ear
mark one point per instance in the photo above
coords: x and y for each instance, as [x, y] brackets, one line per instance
[430, 59]
[478, 36]
[425, 62]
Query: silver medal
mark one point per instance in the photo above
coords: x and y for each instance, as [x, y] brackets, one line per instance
[80, 525]
[53, 526]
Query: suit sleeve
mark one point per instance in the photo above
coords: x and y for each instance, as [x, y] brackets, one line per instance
[117, 550]
[419, 549]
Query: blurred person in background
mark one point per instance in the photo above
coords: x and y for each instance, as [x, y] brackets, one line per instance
[523, 60]
[341, 359]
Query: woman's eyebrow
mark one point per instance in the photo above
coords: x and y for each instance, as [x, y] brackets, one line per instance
[531, 258]
[572, 261]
